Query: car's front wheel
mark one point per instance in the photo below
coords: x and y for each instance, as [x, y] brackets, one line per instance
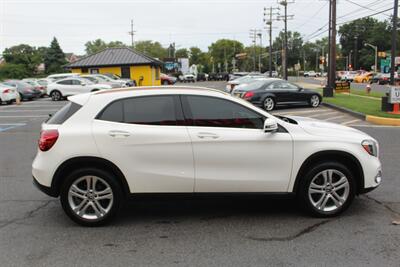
[314, 101]
[91, 197]
[327, 189]
[269, 103]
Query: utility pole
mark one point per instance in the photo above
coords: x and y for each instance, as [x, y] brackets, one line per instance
[328, 90]
[269, 27]
[132, 32]
[253, 37]
[259, 54]
[394, 41]
[285, 18]
[355, 51]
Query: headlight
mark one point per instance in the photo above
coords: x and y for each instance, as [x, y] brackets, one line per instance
[371, 147]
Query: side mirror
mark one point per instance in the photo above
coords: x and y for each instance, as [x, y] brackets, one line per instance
[300, 88]
[270, 125]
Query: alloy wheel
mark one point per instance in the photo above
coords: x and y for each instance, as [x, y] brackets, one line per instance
[55, 96]
[329, 190]
[90, 197]
[269, 104]
[314, 101]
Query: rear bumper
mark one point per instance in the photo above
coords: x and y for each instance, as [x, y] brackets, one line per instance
[45, 189]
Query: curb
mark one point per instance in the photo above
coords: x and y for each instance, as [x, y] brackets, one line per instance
[383, 121]
[346, 110]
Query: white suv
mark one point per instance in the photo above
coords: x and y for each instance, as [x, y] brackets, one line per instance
[73, 86]
[105, 146]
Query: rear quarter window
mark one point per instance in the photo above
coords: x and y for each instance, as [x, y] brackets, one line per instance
[64, 113]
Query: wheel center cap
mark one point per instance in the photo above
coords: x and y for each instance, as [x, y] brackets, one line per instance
[329, 188]
[90, 195]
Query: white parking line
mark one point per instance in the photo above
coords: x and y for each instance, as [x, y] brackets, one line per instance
[302, 112]
[350, 122]
[29, 116]
[334, 118]
[30, 110]
[323, 114]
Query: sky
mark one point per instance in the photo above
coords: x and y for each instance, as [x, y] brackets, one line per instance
[185, 22]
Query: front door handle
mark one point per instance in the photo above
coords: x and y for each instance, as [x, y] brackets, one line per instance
[117, 133]
[204, 135]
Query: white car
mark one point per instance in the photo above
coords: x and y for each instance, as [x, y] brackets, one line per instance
[8, 94]
[310, 74]
[105, 146]
[59, 76]
[72, 86]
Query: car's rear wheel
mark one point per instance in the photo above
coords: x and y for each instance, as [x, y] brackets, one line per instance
[165, 83]
[269, 103]
[91, 197]
[314, 101]
[327, 189]
[56, 95]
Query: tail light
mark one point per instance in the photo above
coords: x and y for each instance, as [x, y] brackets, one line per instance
[6, 91]
[47, 139]
[248, 95]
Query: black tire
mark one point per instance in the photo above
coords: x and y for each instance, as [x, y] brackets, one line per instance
[94, 90]
[303, 189]
[56, 95]
[314, 101]
[269, 103]
[112, 182]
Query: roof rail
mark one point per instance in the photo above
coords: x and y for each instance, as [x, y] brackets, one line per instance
[126, 89]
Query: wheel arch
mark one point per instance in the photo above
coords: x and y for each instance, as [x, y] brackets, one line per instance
[87, 162]
[342, 157]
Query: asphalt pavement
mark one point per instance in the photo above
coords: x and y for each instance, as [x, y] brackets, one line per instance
[257, 231]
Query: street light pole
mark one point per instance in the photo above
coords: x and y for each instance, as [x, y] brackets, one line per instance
[376, 55]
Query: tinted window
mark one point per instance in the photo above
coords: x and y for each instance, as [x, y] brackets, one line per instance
[64, 113]
[65, 82]
[215, 112]
[152, 110]
[76, 82]
[113, 112]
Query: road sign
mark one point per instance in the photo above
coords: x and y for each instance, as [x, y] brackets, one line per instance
[394, 95]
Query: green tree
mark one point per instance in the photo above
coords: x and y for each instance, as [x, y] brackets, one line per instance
[150, 48]
[24, 55]
[14, 71]
[355, 34]
[92, 47]
[295, 43]
[54, 58]
[223, 51]
[182, 53]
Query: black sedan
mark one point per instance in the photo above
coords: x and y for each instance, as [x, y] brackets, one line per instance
[269, 93]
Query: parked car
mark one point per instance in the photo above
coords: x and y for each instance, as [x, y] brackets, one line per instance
[348, 76]
[37, 85]
[25, 90]
[202, 77]
[310, 73]
[100, 80]
[242, 80]
[384, 78]
[275, 74]
[236, 75]
[363, 77]
[59, 76]
[8, 94]
[187, 78]
[73, 86]
[269, 93]
[167, 79]
[105, 147]
[128, 82]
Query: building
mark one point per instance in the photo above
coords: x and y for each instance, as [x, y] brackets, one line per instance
[71, 57]
[124, 62]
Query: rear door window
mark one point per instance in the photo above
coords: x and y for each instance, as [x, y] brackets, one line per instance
[149, 110]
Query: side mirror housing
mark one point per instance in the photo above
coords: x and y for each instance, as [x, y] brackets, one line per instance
[270, 125]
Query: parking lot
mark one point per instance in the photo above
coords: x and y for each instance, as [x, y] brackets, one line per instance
[34, 231]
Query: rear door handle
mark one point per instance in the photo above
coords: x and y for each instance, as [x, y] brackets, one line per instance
[117, 133]
[204, 135]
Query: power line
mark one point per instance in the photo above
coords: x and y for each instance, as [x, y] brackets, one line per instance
[362, 6]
